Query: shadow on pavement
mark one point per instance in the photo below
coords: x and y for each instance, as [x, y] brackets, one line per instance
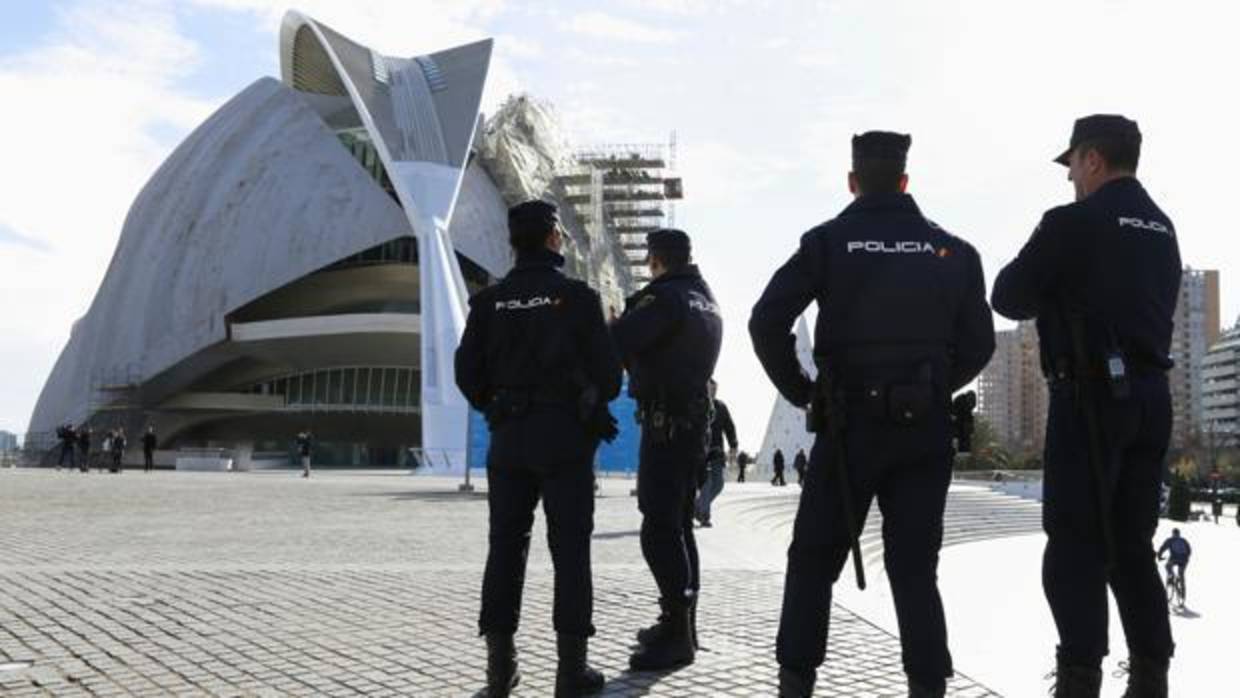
[635, 683]
[613, 535]
[432, 496]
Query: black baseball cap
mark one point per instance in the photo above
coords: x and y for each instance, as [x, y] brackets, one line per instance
[881, 145]
[1088, 128]
[669, 239]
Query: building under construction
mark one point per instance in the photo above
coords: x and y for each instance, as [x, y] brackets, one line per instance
[626, 191]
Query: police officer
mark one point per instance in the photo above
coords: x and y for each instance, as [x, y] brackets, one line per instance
[1101, 276]
[902, 324]
[536, 358]
[669, 339]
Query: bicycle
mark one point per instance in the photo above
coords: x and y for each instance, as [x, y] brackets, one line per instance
[1175, 588]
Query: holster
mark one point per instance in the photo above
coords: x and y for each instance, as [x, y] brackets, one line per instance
[663, 420]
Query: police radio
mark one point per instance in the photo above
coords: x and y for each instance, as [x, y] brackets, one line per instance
[1117, 376]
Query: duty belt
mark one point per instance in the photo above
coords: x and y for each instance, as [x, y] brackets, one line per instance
[1061, 370]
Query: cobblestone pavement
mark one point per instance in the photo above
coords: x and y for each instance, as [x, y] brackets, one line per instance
[346, 584]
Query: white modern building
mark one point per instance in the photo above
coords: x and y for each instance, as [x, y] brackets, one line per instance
[1221, 391]
[303, 260]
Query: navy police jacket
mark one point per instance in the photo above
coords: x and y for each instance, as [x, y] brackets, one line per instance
[669, 338]
[540, 334]
[1112, 257]
[893, 290]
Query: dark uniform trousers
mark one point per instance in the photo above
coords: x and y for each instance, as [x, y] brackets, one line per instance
[568, 502]
[908, 469]
[1136, 434]
[666, 491]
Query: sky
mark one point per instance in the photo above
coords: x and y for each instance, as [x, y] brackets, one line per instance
[763, 96]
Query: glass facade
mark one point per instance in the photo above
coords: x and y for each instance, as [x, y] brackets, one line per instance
[393, 389]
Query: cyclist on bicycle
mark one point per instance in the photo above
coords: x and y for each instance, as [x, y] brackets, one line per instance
[1179, 551]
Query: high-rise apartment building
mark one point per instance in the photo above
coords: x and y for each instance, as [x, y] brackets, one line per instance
[1012, 394]
[1197, 328]
[1221, 391]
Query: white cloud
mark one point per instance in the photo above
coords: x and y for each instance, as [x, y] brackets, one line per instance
[517, 47]
[9, 236]
[604, 26]
[721, 174]
[692, 8]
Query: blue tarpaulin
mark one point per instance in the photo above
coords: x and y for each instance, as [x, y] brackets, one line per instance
[617, 457]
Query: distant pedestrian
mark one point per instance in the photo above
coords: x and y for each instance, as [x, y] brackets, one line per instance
[800, 463]
[742, 462]
[777, 462]
[149, 444]
[118, 450]
[105, 450]
[68, 444]
[83, 443]
[304, 442]
[716, 459]
[1217, 508]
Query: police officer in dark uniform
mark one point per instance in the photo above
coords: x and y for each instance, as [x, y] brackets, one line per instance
[1101, 276]
[669, 339]
[537, 359]
[902, 324]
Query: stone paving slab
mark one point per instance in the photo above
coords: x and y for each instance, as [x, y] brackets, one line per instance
[261, 585]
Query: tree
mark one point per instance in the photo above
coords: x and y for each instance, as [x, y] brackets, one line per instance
[1180, 501]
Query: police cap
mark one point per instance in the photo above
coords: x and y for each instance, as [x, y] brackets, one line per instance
[881, 145]
[1088, 128]
[535, 216]
[668, 239]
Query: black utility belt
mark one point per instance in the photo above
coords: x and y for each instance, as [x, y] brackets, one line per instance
[1114, 374]
[899, 402]
[658, 417]
[691, 409]
[510, 403]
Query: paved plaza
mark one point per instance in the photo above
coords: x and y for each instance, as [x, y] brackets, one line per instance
[263, 584]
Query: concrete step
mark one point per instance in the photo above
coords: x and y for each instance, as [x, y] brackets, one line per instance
[971, 514]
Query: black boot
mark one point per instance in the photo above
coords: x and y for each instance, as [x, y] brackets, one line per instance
[672, 648]
[916, 690]
[796, 684]
[502, 674]
[574, 677]
[1077, 681]
[652, 633]
[1147, 678]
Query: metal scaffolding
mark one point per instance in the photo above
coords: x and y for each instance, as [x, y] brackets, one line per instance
[626, 190]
